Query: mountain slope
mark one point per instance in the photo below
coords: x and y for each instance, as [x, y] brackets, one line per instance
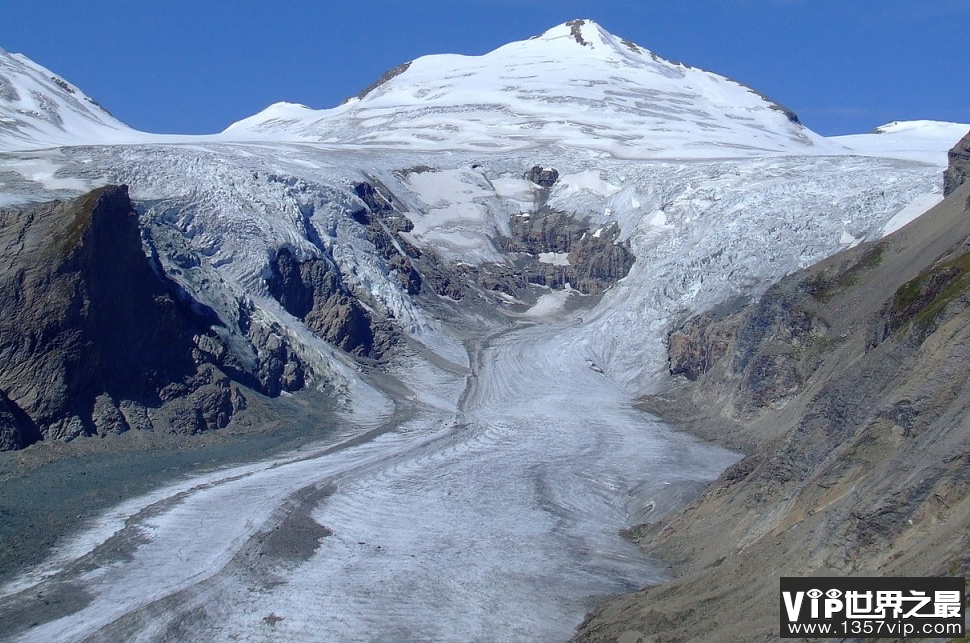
[575, 85]
[848, 385]
[40, 109]
[913, 140]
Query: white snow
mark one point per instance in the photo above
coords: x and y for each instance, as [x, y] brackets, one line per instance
[926, 141]
[847, 239]
[657, 218]
[39, 109]
[608, 96]
[44, 171]
[513, 188]
[453, 213]
[554, 258]
[548, 304]
[590, 180]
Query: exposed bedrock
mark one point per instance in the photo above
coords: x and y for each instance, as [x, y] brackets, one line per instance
[958, 166]
[94, 338]
[312, 290]
[553, 248]
[414, 269]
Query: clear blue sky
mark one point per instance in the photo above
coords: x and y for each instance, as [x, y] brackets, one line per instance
[844, 66]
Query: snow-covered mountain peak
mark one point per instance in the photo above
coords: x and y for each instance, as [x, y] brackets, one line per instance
[583, 32]
[576, 85]
[592, 40]
[40, 109]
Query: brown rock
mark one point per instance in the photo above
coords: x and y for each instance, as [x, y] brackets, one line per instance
[958, 167]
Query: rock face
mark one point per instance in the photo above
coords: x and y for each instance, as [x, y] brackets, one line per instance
[385, 77]
[313, 291]
[701, 342]
[385, 222]
[554, 249]
[958, 168]
[545, 177]
[849, 386]
[93, 339]
[16, 429]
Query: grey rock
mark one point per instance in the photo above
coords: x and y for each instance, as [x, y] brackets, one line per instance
[596, 261]
[384, 223]
[313, 291]
[384, 78]
[958, 166]
[107, 417]
[698, 344]
[576, 30]
[16, 429]
[542, 176]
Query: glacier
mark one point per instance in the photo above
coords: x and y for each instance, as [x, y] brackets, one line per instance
[477, 485]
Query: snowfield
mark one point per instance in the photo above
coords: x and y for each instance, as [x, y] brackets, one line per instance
[576, 86]
[483, 502]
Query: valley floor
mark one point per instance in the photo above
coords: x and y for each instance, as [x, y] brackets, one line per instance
[487, 507]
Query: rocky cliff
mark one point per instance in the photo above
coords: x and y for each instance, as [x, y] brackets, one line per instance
[958, 168]
[94, 339]
[848, 385]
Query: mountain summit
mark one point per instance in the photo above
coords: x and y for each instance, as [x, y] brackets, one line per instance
[576, 85]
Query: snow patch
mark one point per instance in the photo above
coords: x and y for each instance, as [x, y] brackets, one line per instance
[44, 171]
[590, 180]
[923, 141]
[555, 258]
[549, 303]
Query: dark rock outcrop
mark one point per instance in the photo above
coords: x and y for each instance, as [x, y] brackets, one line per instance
[589, 261]
[278, 367]
[576, 30]
[698, 344]
[958, 166]
[313, 291]
[94, 339]
[545, 177]
[384, 78]
[385, 222]
[16, 429]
